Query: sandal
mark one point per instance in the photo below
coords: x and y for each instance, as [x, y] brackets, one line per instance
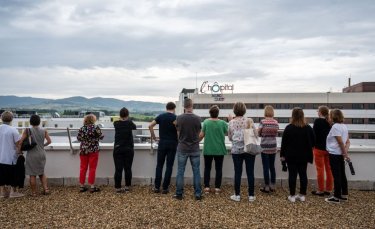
[264, 190]
[46, 192]
[83, 189]
[94, 189]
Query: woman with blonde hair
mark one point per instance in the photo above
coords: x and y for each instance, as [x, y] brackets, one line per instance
[296, 149]
[89, 135]
[268, 128]
[321, 157]
[236, 136]
[338, 145]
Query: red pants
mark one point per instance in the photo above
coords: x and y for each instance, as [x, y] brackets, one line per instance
[89, 161]
[322, 163]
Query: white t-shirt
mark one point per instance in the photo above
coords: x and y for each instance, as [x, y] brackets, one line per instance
[8, 138]
[338, 129]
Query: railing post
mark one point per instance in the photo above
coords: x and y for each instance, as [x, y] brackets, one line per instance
[70, 141]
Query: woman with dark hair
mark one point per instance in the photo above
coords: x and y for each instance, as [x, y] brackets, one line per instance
[236, 136]
[296, 149]
[36, 157]
[338, 145]
[213, 132]
[321, 157]
[89, 135]
[123, 152]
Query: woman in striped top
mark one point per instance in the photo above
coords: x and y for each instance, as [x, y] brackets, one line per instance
[268, 128]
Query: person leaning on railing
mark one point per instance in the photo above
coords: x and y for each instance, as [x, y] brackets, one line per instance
[9, 140]
[89, 135]
[296, 149]
[338, 145]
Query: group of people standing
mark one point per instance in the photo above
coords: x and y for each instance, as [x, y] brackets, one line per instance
[327, 142]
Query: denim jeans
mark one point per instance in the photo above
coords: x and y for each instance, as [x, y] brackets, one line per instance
[238, 160]
[181, 164]
[219, 159]
[166, 153]
[268, 161]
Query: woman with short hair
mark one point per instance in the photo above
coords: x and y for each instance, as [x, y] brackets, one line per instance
[36, 157]
[296, 149]
[213, 132]
[321, 156]
[236, 136]
[338, 145]
[89, 135]
[268, 129]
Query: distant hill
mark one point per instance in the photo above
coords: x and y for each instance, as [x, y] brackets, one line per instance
[78, 103]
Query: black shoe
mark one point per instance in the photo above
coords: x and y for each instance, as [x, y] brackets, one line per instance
[177, 197]
[317, 193]
[83, 189]
[198, 197]
[333, 200]
[156, 190]
[120, 190]
[127, 189]
[264, 190]
[327, 193]
[165, 191]
[343, 199]
[94, 189]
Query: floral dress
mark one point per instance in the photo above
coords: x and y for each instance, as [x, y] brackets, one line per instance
[89, 136]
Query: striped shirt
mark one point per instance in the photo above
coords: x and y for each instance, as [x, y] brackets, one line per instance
[268, 128]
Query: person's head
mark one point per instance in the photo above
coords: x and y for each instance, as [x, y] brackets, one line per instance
[323, 111]
[89, 119]
[35, 120]
[268, 111]
[7, 116]
[214, 111]
[239, 109]
[249, 123]
[298, 117]
[336, 116]
[124, 113]
[170, 106]
[188, 104]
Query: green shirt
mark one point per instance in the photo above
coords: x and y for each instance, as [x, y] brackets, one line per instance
[214, 139]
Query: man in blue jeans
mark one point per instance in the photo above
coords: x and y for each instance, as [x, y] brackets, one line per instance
[167, 146]
[188, 128]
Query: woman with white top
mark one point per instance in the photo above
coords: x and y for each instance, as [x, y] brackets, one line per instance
[337, 145]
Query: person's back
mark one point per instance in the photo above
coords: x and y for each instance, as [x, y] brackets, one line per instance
[188, 126]
[298, 143]
[8, 138]
[214, 139]
[124, 134]
[321, 129]
[167, 129]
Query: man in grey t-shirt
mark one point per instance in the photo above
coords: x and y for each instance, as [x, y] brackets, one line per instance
[188, 128]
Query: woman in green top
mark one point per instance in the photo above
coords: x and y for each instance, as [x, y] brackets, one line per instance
[213, 132]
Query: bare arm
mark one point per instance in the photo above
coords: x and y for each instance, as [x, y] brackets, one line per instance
[47, 137]
[201, 136]
[151, 128]
[342, 146]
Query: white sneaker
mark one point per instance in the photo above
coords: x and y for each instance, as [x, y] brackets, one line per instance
[235, 198]
[15, 195]
[292, 199]
[300, 197]
[251, 198]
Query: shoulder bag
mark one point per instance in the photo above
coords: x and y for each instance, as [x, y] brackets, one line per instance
[29, 142]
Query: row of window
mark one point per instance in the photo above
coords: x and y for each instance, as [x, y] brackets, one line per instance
[346, 106]
[310, 120]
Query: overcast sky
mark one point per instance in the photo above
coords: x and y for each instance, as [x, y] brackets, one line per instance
[150, 50]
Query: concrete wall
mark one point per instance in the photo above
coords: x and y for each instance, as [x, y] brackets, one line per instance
[62, 167]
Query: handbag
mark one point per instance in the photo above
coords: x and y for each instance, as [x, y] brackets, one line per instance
[251, 142]
[29, 142]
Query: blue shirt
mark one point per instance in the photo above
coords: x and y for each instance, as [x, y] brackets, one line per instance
[167, 129]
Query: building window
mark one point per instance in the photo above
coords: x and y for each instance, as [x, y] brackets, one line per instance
[283, 120]
[358, 106]
[278, 106]
[371, 121]
[371, 136]
[316, 106]
[371, 106]
[358, 121]
[357, 135]
[300, 105]
[336, 106]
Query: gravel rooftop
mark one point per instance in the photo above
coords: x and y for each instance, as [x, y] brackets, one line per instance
[66, 208]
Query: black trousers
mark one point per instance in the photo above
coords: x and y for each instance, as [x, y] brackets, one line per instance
[123, 158]
[300, 170]
[339, 177]
[166, 153]
[218, 168]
